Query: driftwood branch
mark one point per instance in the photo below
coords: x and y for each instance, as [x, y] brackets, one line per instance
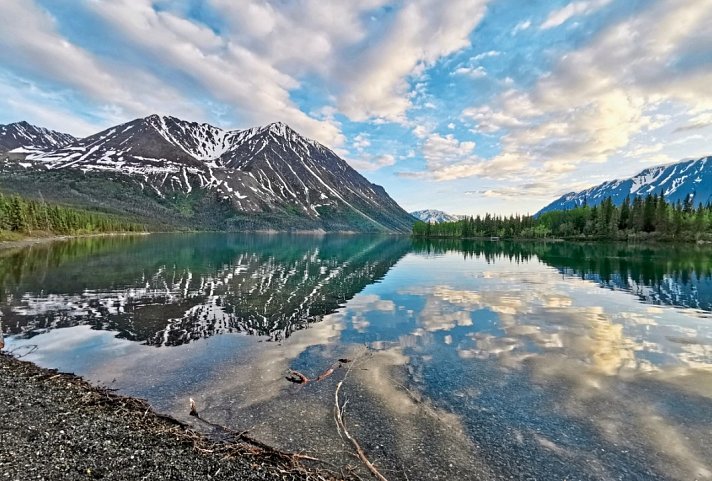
[30, 349]
[298, 378]
[258, 448]
[339, 411]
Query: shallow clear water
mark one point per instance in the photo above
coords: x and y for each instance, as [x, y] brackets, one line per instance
[472, 360]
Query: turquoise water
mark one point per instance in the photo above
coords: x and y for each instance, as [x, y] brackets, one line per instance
[471, 360]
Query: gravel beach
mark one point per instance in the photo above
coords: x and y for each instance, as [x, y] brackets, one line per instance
[58, 426]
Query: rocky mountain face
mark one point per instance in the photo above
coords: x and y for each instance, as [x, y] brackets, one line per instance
[675, 181]
[260, 178]
[21, 137]
[433, 216]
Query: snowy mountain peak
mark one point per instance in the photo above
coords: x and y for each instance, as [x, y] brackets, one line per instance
[675, 181]
[433, 216]
[284, 131]
[24, 137]
[279, 128]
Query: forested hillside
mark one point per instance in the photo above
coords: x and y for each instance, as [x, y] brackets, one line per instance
[651, 217]
[25, 217]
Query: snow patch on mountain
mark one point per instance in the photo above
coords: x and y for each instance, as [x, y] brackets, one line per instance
[677, 182]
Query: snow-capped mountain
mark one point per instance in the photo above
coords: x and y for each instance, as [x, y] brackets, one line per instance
[675, 181]
[21, 137]
[262, 170]
[433, 216]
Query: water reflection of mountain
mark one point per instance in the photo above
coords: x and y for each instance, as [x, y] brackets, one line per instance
[679, 275]
[169, 290]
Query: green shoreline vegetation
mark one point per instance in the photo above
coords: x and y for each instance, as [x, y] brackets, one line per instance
[21, 218]
[649, 218]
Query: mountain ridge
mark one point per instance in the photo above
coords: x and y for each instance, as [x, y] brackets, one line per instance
[676, 181]
[23, 137]
[257, 173]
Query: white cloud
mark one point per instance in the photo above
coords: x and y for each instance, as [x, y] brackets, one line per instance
[448, 158]
[439, 150]
[644, 150]
[488, 54]
[361, 141]
[368, 162]
[421, 131]
[538, 190]
[474, 72]
[700, 120]
[521, 26]
[489, 121]
[584, 7]
[375, 82]
[445, 155]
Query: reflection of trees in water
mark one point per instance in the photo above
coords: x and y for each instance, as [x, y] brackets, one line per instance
[679, 275]
[169, 290]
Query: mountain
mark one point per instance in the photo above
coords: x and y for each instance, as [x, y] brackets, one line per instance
[433, 216]
[23, 137]
[197, 175]
[676, 182]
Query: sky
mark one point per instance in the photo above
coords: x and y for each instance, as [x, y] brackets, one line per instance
[468, 106]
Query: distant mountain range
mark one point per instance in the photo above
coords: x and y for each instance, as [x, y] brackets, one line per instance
[433, 216]
[675, 181]
[172, 172]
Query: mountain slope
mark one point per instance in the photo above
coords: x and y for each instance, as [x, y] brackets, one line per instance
[433, 216]
[23, 137]
[260, 178]
[675, 181]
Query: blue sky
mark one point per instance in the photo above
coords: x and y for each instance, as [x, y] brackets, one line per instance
[468, 106]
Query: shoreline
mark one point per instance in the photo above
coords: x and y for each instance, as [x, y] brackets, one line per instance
[31, 241]
[577, 240]
[37, 240]
[58, 426]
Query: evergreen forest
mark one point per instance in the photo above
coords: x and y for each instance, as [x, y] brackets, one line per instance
[650, 217]
[22, 216]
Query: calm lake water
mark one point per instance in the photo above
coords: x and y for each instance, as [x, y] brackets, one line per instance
[471, 360]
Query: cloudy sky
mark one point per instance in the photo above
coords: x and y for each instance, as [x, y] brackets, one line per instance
[463, 105]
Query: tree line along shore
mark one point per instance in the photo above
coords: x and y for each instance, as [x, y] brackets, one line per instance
[20, 217]
[643, 218]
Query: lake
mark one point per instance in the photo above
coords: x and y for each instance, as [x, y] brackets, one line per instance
[469, 360]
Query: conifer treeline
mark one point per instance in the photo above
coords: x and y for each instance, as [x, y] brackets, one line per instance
[25, 216]
[649, 217]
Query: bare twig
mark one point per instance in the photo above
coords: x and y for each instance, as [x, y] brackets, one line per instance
[339, 411]
[30, 349]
